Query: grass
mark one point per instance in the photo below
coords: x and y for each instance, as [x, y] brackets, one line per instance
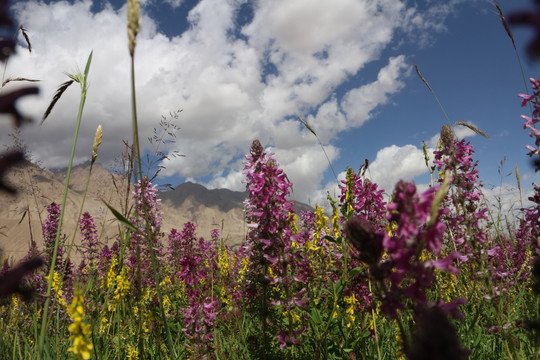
[421, 276]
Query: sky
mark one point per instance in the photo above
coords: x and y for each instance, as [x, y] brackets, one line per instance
[242, 70]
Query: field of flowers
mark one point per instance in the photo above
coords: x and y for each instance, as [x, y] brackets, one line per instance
[421, 275]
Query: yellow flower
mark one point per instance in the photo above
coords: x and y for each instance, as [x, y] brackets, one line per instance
[132, 353]
[335, 217]
[223, 261]
[57, 287]
[292, 221]
[352, 301]
[166, 303]
[335, 314]
[122, 289]
[80, 331]
[111, 273]
[320, 223]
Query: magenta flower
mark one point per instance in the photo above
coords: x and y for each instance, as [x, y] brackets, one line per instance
[50, 229]
[272, 280]
[89, 238]
[148, 221]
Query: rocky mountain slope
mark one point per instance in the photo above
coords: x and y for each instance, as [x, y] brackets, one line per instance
[21, 216]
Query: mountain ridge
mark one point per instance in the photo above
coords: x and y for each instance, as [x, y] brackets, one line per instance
[22, 216]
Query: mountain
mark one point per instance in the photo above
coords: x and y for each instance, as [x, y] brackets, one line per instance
[225, 200]
[21, 216]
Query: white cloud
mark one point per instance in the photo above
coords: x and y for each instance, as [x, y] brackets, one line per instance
[291, 58]
[394, 163]
[358, 103]
[504, 202]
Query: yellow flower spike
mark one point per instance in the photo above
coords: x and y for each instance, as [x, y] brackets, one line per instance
[81, 344]
[335, 217]
[132, 353]
[292, 220]
[320, 223]
[111, 274]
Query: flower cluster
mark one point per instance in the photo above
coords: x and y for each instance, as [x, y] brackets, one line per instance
[361, 197]
[50, 229]
[80, 331]
[148, 221]
[407, 272]
[270, 216]
[193, 261]
[467, 213]
[89, 238]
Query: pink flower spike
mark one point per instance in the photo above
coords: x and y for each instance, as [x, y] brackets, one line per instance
[534, 151]
[451, 307]
[446, 263]
[535, 83]
[526, 98]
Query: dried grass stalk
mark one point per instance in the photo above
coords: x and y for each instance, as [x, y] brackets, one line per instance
[473, 128]
[306, 125]
[519, 185]
[421, 77]
[8, 80]
[26, 38]
[505, 24]
[97, 142]
[55, 99]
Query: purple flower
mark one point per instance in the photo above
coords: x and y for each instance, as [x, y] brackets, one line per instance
[89, 238]
[50, 230]
[148, 221]
[364, 239]
[434, 337]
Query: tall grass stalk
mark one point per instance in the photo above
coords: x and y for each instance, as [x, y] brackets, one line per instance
[97, 142]
[82, 80]
[511, 36]
[320, 143]
[133, 25]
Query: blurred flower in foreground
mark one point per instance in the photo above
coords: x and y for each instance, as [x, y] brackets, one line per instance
[434, 338]
[11, 281]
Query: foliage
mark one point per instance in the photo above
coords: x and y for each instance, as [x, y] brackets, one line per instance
[420, 275]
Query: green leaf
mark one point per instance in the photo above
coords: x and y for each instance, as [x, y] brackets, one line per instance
[338, 287]
[365, 334]
[316, 316]
[354, 272]
[329, 238]
[87, 68]
[123, 220]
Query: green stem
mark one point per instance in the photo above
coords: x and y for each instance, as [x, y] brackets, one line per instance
[136, 151]
[44, 319]
[138, 177]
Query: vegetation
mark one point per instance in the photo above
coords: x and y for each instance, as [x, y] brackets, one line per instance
[421, 275]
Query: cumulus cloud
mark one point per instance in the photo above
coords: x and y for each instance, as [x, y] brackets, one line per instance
[396, 162]
[235, 81]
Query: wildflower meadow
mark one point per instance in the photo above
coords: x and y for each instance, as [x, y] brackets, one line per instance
[413, 274]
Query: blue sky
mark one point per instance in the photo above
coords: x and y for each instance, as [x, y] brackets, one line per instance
[241, 70]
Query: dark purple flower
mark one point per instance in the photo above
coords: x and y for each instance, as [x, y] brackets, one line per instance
[434, 338]
[364, 239]
[532, 19]
[8, 160]
[11, 281]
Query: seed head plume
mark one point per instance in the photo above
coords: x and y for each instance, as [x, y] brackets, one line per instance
[505, 24]
[473, 128]
[57, 95]
[97, 142]
[26, 38]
